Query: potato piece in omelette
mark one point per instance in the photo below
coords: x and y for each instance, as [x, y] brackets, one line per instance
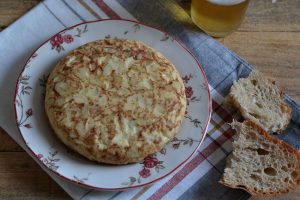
[115, 101]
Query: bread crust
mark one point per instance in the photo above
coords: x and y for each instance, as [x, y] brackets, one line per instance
[284, 145]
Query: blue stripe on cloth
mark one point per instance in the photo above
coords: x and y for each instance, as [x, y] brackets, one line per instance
[115, 195]
[214, 166]
[291, 135]
[217, 143]
[73, 11]
[86, 194]
[44, 3]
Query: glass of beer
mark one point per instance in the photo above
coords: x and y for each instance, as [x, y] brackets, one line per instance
[218, 18]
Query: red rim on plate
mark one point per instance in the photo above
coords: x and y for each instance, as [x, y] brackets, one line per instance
[128, 187]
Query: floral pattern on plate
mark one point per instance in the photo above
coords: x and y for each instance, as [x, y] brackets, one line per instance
[42, 142]
[59, 39]
[149, 165]
[25, 113]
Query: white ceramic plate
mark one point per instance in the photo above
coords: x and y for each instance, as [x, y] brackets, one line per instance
[40, 139]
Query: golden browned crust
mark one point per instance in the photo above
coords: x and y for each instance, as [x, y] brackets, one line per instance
[115, 101]
[287, 109]
[284, 106]
[284, 145]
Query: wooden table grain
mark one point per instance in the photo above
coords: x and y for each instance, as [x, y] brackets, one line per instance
[269, 39]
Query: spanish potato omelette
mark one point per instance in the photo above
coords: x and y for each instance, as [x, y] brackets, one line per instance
[115, 101]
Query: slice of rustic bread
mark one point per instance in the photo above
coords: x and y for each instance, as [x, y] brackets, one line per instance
[261, 164]
[261, 101]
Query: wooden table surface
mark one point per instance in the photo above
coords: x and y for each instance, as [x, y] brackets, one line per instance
[269, 39]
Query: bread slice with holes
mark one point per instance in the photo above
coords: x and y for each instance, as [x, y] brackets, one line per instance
[261, 164]
[261, 101]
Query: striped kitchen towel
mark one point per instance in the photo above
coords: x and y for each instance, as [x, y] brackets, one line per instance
[198, 178]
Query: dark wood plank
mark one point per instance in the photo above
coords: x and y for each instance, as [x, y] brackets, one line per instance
[22, 178]
[263, 15]
[12, 10]
[7, 144]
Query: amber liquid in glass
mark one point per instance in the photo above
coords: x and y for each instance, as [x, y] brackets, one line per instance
[218, 18]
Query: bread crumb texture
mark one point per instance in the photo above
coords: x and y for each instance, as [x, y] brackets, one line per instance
[260, 100]
[261, 164]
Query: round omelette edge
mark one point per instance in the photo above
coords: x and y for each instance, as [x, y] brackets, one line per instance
[120, 145]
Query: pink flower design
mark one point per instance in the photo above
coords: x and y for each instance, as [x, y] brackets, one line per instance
[39, 156]
[150, 162]
[189, 92]
[56, 40]
[68, 38]
[186, 78]
[28, 126]
[145, 173]
[29, 112]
